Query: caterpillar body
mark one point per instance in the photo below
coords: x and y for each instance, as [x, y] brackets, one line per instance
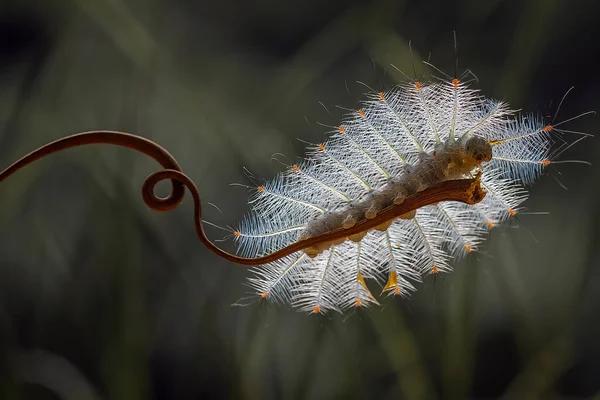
[398, 143]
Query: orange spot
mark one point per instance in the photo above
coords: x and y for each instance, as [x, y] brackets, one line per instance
[418, 85]
[342, 129]
[468, 248]
[237, 233]
[381, 96]
[321, 147]
[261, 188]
[455, 82]
[435, 269]
[357, 303]
[397, 290]
[264, 295]
[490, 224]
[546, 163]
[361, 112]
[511, 212]
[360, 280]
[392, 282]
[316, 310]
[297, 168]
[547, 128]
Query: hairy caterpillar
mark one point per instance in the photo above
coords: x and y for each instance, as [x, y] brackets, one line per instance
[399, 142]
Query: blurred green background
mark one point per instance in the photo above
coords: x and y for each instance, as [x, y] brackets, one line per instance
[101, 298]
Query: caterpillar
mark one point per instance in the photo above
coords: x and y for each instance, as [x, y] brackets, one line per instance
[397, 143]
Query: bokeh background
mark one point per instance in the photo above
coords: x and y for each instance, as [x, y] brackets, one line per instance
[101, 298]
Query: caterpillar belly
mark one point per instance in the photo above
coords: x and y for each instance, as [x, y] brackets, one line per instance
[398, 143]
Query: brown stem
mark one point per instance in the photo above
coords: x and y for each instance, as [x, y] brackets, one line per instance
[464, 190]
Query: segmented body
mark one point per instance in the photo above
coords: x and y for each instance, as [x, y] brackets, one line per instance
[398, 143]
[452, 159]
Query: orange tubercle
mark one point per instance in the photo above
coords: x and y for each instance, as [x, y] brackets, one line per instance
[397, 290]
[342, 129]
[264, 295]
[296, 168]
[237, 233]
[490, 224]
[418, 85]
[468, 248]
[261, 188]
[361, 113]
[511, 212]
[357, 303]
[392, 282]
[316, 310]
[545, 163]
[321, 147]
[455, 82]
[381, 96]
[435, 269]
[547, 128]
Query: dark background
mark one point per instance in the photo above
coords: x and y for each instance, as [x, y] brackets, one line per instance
[101, 298]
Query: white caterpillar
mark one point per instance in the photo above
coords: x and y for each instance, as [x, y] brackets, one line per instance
[400, 142]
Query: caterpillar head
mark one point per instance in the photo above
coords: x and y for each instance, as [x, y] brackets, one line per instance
[477, 150]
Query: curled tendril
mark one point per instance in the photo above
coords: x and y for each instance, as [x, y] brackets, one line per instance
[464, 190]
